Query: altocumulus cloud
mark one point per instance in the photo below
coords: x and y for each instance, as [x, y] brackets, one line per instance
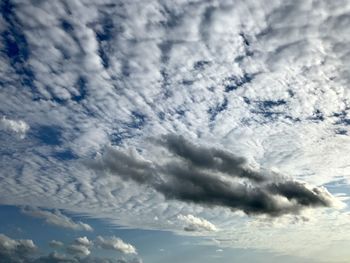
[56, 218]
[214, 177]
[272, 86]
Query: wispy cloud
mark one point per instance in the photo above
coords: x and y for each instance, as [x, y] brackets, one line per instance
[56, 244]
[56, 218]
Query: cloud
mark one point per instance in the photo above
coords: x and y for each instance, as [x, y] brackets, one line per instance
[209, 158]
[56, 244]
[24, 251]
[56, 218]
[84, 241]
[55, 257]
[80, 247]
[196, 223]
[213, 177]
[78, 250]
[133, 260]
[114, 243]
[271, 87]
[17, 127]
[12, 250]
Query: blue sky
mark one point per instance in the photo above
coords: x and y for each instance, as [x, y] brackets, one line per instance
[168, 131]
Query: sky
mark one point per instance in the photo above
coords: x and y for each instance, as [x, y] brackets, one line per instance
[174, 131]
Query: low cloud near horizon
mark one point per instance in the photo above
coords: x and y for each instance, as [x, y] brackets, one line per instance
[25, 251]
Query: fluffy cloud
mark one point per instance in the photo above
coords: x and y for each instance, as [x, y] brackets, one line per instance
[213, 177]
[24, 251]
[114, 243]
[56, 218]
[83, 241]
[12, 250]
[196, 224]
[80, 247]
[18, 127]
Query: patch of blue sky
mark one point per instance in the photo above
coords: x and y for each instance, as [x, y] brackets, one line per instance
[49, 135]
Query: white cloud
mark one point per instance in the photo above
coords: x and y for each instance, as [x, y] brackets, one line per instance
[17, 127]
[56, 218]
[80, 247]
[84, 241]
[114, 243]
[196, 224]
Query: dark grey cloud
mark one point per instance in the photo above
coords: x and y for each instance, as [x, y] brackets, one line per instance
[209, 158]
[209, 176]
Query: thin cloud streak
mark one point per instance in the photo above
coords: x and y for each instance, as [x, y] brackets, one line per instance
[56, 218]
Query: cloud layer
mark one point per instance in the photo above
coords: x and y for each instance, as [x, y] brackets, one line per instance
[264, 80]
